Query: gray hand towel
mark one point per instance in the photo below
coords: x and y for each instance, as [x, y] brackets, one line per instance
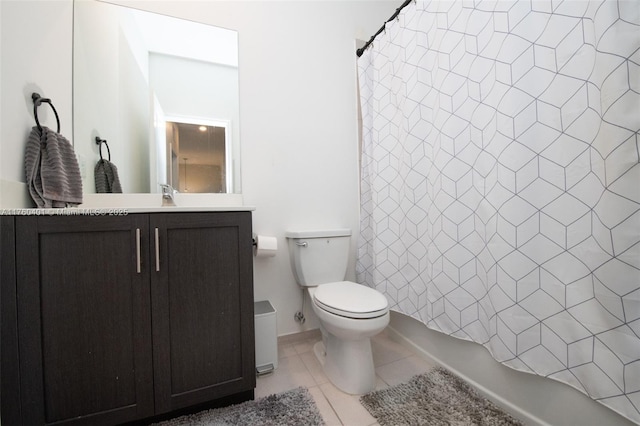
[52, 171]
[106, 176]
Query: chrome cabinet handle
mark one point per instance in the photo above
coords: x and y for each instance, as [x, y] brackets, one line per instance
[138, 263]
[157, 251]
[301, 243]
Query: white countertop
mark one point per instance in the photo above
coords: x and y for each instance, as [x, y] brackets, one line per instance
[116, 211]
[123, 204]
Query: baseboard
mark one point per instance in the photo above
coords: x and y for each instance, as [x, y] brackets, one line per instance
[535, 399]
[511, 408]
[300, 336]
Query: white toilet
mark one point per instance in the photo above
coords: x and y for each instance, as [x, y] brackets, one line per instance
[349, 313]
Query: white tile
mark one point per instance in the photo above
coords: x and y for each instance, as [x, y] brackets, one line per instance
[304, 347]
[326, 411]
[347, 407]
[380, 384]
[386, 350]
[286, 350]
[298, 366]
[402, 370]
[314, 367]
[290, 374]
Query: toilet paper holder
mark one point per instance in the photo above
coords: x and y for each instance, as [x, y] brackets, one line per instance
[264, 246]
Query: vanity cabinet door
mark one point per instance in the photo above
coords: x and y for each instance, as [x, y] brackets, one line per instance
[9, 355]
[84, 320]
[202, 303]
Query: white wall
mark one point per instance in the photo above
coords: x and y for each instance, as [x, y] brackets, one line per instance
[35, 46]
[298, 115]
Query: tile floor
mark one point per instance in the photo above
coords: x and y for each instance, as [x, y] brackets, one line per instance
[298, 366]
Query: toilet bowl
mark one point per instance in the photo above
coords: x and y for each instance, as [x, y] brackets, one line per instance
[348, 360]
[349, 313]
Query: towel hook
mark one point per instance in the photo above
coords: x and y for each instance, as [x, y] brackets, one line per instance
[99, 142]
[37, 100]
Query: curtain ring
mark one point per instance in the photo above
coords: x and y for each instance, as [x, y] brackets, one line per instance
[37, 100]
[99, 142]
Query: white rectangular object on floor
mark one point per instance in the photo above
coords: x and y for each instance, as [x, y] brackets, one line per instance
[266, 337]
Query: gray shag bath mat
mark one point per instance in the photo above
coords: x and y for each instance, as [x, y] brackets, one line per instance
[434, 398]
[292, 408]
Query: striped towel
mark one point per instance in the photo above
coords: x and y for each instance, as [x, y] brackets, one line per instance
[106, 176]
[51, 166]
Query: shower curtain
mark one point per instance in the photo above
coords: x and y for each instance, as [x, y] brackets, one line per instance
[501, 182]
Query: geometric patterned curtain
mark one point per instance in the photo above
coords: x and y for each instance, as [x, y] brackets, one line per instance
[501, 183]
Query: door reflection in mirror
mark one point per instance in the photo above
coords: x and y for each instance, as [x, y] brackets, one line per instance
[189, 97]
[197, 155]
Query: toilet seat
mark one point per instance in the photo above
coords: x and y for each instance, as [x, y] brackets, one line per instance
[351, 300]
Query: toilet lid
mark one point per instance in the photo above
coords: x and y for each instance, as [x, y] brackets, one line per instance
[351, 300]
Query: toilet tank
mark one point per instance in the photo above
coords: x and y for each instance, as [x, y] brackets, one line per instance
[320, 256]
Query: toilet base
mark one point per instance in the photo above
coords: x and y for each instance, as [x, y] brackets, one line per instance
[348, 364]
[321, 354]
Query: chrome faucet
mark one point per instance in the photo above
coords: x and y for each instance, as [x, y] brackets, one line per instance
[167, 195]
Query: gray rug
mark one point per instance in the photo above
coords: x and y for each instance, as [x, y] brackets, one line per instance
[292, 408]
[434, 398]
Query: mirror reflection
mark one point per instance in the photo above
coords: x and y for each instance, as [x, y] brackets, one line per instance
[196, 156]
[163, 92]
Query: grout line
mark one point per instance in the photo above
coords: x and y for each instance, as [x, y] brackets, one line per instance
[332, 407]
[335, 413]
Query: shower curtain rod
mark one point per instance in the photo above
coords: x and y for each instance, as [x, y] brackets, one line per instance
[360, 51]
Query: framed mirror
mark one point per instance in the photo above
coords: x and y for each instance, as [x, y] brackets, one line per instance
[146, 83]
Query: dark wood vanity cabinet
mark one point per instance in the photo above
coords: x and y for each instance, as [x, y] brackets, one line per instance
[84, 319]
[111, 319]
[202, 274]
